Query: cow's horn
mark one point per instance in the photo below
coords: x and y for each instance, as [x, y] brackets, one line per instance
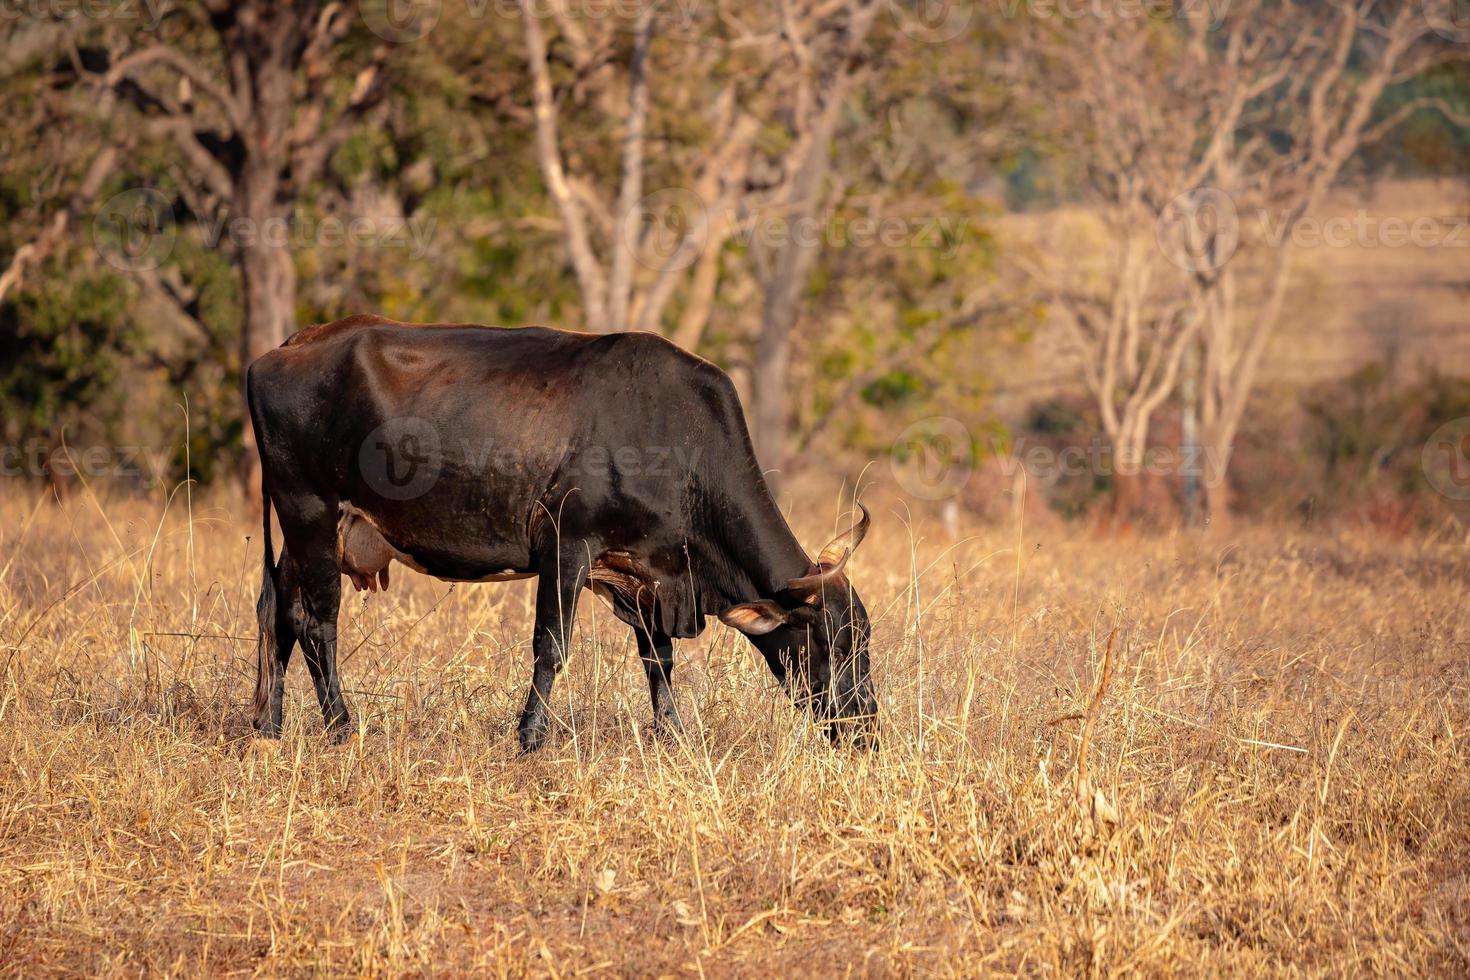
[839, 547]
[810, 586]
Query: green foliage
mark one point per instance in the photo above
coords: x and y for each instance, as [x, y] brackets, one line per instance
[1058, 417]
[1350, 448]
[1426, 142]
[1067, 427]
[894, 389]
[62, 353]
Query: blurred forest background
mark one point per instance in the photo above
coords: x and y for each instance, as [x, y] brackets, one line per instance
[953, 237]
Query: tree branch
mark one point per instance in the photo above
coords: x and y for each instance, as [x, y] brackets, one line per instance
[589, 272]
[1393, 119]
[41, 246]
[625, 240]
[186, 66]
[312, 149]
[721, 181]
[917, 347]
[181, 130]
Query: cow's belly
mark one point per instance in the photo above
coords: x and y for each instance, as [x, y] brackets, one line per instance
[366, 547]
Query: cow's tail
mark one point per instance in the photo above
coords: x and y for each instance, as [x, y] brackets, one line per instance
[265, 613]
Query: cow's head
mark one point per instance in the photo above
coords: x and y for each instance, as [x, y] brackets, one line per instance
[814, 635]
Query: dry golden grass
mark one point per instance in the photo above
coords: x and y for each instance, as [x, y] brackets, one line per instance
[1277, 771]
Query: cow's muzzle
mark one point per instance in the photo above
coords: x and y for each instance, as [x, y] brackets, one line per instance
[854, 721]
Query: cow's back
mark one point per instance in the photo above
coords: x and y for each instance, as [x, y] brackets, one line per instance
[462, 442]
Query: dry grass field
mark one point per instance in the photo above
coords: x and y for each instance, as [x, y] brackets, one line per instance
[1276, 782]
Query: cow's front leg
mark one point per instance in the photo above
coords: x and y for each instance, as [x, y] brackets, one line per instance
[657, 653]
[557, 590]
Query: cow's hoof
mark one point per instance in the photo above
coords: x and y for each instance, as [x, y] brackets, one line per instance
[534, 725]
[532, 736]
[532, 741]
[667, 728]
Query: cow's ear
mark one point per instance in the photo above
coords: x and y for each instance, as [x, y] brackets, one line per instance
[755, 618]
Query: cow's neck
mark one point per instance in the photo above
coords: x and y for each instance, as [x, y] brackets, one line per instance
[762, 546]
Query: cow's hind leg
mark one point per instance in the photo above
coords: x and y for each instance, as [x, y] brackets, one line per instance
[657, 653]
[557, 589]
[273, 653]
[315, 580]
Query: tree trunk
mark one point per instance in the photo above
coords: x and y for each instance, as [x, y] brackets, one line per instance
[768, 386]
[790, 266]
[1140, 498]
[273, 142]
[1215, 479]
[1217, 504]
[1127, 506]
[268, 277]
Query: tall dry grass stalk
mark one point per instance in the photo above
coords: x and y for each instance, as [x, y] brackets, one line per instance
[1276, 776]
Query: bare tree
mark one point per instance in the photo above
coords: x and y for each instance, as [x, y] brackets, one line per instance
[1287, 95]
[824, 45]
[1127, 317]
[1182, 127]
[254, 97]
[629, 248]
